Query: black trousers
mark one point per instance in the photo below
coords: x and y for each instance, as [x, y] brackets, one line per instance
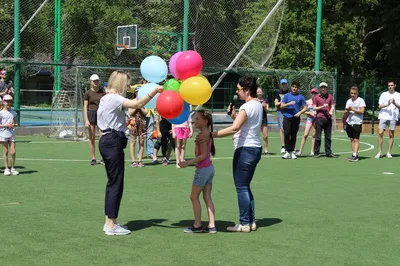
[326, 126]
[290, 129]
[166, 137]
[112, 147]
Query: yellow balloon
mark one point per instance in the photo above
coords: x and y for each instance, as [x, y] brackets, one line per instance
[195, 90]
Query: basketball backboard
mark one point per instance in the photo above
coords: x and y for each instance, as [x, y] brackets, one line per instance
[127, 37]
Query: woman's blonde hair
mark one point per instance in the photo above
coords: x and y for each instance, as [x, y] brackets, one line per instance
[119, 82]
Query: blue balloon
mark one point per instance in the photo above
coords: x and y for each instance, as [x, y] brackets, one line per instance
[144, 90]
[154, 69]
[183, 117]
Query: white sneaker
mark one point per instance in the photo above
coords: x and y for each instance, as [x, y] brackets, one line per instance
[123, 226]
[286, 156]
[294, 155]
[311, 153]
[378, 156]
[299, 153]
[283, 150]
[253, 227]
[117, 231]
[239, 228]
[14, 172]
[389, 156]
[7, 172]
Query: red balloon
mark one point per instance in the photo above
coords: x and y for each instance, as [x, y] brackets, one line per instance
[188, 64]
[169, 104]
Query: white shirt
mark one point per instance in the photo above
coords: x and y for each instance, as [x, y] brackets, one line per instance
[390, 112]
[354, 118]
[249, 133]
[7, 117]
[111, 114]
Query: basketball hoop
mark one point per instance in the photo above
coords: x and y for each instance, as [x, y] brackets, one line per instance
[119, 48]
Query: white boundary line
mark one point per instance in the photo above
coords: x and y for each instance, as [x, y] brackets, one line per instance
[370, 147]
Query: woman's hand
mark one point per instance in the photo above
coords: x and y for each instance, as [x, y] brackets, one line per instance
[203, 137]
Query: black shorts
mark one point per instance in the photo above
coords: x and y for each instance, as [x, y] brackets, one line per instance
[92, 117]
[353, 131]
[264, 122]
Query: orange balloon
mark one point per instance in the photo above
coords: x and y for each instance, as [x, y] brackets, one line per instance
[196, 90]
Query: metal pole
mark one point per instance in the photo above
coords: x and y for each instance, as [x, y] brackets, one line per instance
[17, 55]
[373, 110]
[24, 27]
[232, 64]
[186, 10]
[57, 45]
[318, 37]
[365, 89]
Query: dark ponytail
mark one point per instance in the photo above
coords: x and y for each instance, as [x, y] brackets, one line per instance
[208, 117]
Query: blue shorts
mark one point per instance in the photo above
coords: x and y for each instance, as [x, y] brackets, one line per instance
[204, 176]
[279, 117]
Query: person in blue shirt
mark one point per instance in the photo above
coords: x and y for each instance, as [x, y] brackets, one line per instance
[293, 105]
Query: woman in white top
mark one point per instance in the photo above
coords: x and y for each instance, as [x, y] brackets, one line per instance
[111, 121]
[248, 148]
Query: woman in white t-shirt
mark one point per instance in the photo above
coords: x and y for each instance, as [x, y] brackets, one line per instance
[111, 121]
[248, 148]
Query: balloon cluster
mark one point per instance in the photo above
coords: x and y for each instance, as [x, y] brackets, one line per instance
[187, 87]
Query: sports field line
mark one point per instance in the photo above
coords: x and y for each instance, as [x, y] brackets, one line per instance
[370, 147]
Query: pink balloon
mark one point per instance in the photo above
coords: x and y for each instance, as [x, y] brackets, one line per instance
[188, 64]
[172, 64]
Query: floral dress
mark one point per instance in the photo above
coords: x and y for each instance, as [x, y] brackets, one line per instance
[137, 125]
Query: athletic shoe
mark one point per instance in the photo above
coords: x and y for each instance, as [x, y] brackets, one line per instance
[353, 159]
[14, 172]
[283, 150]
[140, 164]
[116, 231]
[298, 153]
[155, 161]
[102, 162]
[379, 155]
[286, 156]
[7, 171]
[253, 227]
[165, 162]
[210, 230]
[239, 228]
[293, 155]
[194, 230]
[266, 153]
[177, 166]
[106, 226]
[311, 153]
[93, 162]
[331, 155]
[134, 164]
[389, 156]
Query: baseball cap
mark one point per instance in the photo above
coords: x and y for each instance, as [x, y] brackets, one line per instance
[7, 97]
[323, 84]
[284, 81]
[314, 90]
[3, 72]
[94, 77]
[105, 84]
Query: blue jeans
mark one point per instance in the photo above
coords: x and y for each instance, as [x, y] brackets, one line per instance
[149, 135]
[245, 160]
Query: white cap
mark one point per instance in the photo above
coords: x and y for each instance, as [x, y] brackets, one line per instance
[323, 84]
[7, 97]
[94, 77]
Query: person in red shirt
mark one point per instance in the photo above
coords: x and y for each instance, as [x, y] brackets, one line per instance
[324, 106]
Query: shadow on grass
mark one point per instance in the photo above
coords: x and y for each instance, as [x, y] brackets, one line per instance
[143, 224]
[222, 225]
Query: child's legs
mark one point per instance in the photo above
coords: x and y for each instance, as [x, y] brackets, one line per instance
[264, 130]
[141, 146]
[12, 153]
[210, 205]
[305, 136]
[183, 148]
[178, 150]
[132, 147]
[194, 197]
[314, 132]
[92, 138]
[5, 154]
